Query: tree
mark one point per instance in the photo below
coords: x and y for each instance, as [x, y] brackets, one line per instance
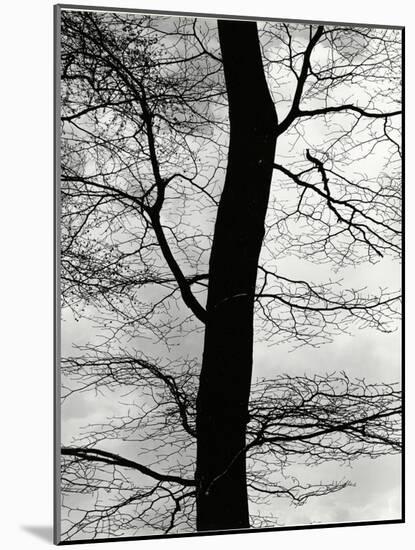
[225, 377]
[168, 203]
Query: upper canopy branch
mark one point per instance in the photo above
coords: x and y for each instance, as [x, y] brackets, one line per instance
[346, 107]
[358, 229]
[293, 113]
[296, 111]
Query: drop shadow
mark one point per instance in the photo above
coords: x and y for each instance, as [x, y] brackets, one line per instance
[43, 532]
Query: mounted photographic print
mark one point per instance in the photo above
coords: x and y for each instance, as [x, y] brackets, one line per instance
[228, 274]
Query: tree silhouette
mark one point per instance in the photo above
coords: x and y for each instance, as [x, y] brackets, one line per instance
[173, 198]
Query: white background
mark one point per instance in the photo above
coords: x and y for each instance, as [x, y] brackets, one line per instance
[26, 233]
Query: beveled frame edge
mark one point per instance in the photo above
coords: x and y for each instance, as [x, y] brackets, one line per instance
[56, 277]
[82, 7]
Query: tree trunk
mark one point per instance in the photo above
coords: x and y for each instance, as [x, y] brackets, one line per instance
[222, 402]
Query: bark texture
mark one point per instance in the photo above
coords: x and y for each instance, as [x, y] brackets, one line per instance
[222, 403]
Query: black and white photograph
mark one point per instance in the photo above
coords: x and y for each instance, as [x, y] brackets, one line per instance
[228, 274]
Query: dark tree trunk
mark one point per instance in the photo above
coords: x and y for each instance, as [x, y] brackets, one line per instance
[222, 403]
